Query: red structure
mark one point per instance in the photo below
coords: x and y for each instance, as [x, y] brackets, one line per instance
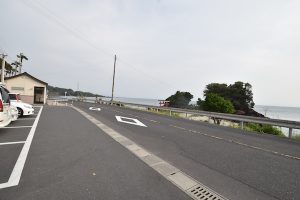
[163, 103]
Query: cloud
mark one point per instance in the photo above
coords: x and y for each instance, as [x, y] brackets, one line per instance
[162, 46]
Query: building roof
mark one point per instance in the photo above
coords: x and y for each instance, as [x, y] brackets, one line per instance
[28, 75]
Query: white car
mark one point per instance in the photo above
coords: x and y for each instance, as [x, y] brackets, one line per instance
[14, 114]
[23, 108]
[5, 114]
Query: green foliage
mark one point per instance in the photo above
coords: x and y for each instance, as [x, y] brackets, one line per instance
[296, 137]
[239, 93]
[180, 99]
[263, 129]
[56, 91]
[216, 103]
[199, 103]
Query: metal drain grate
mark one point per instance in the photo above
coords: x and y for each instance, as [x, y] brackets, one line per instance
[203, 193]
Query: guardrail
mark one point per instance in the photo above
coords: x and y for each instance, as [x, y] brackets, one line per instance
[56, 101]
[231, 117]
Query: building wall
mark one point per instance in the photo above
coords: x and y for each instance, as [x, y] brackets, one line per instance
[27, 99]
[25, 87]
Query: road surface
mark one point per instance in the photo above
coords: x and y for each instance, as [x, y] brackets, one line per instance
[70, 157]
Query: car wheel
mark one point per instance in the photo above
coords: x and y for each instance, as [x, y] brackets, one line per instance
[20, 112]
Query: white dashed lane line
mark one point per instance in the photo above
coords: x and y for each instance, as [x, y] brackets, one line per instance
[220, 138]
[238, 143]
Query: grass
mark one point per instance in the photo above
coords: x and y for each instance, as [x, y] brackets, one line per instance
[296, 137]
[264, 129]
[258, 128]
[164, 112]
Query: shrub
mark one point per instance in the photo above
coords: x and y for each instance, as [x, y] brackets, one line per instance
[264, 129]
[216, 103]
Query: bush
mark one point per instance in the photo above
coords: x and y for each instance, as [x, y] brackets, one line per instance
[296, 137]
[264, 129]
[216, 103]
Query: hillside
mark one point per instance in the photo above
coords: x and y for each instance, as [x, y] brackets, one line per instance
[57, 91]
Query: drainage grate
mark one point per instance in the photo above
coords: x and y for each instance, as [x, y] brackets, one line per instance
[203, 193]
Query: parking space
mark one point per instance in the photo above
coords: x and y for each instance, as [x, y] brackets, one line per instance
[8, 156]
[15, 140]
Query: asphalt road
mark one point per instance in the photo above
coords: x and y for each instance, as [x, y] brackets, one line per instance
[71, 158]
[235, 163]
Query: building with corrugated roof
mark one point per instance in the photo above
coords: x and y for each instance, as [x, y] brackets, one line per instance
[31, 89]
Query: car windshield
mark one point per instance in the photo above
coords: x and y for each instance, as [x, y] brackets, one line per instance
[13, 97]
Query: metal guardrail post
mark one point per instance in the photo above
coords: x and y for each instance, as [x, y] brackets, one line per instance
[170, 113]
[242, 125]
[290, 132]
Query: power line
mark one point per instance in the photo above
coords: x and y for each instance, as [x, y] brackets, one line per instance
[46, 12]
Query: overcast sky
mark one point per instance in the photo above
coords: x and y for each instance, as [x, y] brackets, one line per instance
[162, 45]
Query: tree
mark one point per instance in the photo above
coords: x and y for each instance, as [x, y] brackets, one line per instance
[216, 103]
[180, 99]
[239, 93]
[22, 57]
[199, 103]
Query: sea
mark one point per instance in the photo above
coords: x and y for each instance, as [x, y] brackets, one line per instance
[274, 112]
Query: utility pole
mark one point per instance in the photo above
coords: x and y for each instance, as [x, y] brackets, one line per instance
[3, 67]
[113, 84]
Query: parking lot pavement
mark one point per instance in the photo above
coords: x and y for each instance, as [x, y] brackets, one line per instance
[71, 158]
[8, 156]
[12, 140]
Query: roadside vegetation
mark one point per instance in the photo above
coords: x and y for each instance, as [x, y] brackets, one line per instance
[216, 103]
[234, 98]
[263, 129]
[164, 112]
[296, 137]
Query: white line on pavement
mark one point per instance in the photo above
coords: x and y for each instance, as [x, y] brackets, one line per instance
[133, 121]
[31, 118]
[17, 127]
[168, 171]
[18, 168]
[6, 143]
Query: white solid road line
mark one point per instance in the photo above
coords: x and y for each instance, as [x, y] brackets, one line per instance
[31, 118]
[6, 143]
[17, 127]
[183, 181]
[18, 168]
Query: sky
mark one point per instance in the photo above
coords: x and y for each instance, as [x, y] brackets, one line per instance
[161, 45]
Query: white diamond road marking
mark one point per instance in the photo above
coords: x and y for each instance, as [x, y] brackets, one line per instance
[170, 172]
[132, 121]
[96, 109]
